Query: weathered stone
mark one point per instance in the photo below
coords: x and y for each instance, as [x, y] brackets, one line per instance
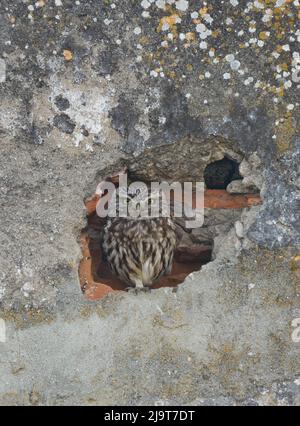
[2, 70]
[239, 229]
[251, 170]
[2, 331]
[64, 123]
[61, 103]
[239, 187]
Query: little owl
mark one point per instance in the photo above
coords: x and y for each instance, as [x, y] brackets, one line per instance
[139, 248]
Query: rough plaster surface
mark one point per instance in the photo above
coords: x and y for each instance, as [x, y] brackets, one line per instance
[90, 85]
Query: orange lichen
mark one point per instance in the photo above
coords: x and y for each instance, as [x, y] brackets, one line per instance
[171, 74]
[284, 133]
[284, 66]
[170, 20]
[143, 40]
[190, 36]
[263, 35]
[280, 91]
[216, 33]
[279, 48]
[203, 11]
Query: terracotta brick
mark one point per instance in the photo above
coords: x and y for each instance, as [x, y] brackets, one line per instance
[213, 199]
[221, 199]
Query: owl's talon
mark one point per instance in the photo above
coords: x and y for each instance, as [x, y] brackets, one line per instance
[131, 290]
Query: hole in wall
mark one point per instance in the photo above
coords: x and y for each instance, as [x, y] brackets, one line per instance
[194, 247]
[218, 174]
[97, 279]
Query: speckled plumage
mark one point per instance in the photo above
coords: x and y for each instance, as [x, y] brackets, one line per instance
[139, 250]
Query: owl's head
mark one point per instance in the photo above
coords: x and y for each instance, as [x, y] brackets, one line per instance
[140, 199]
